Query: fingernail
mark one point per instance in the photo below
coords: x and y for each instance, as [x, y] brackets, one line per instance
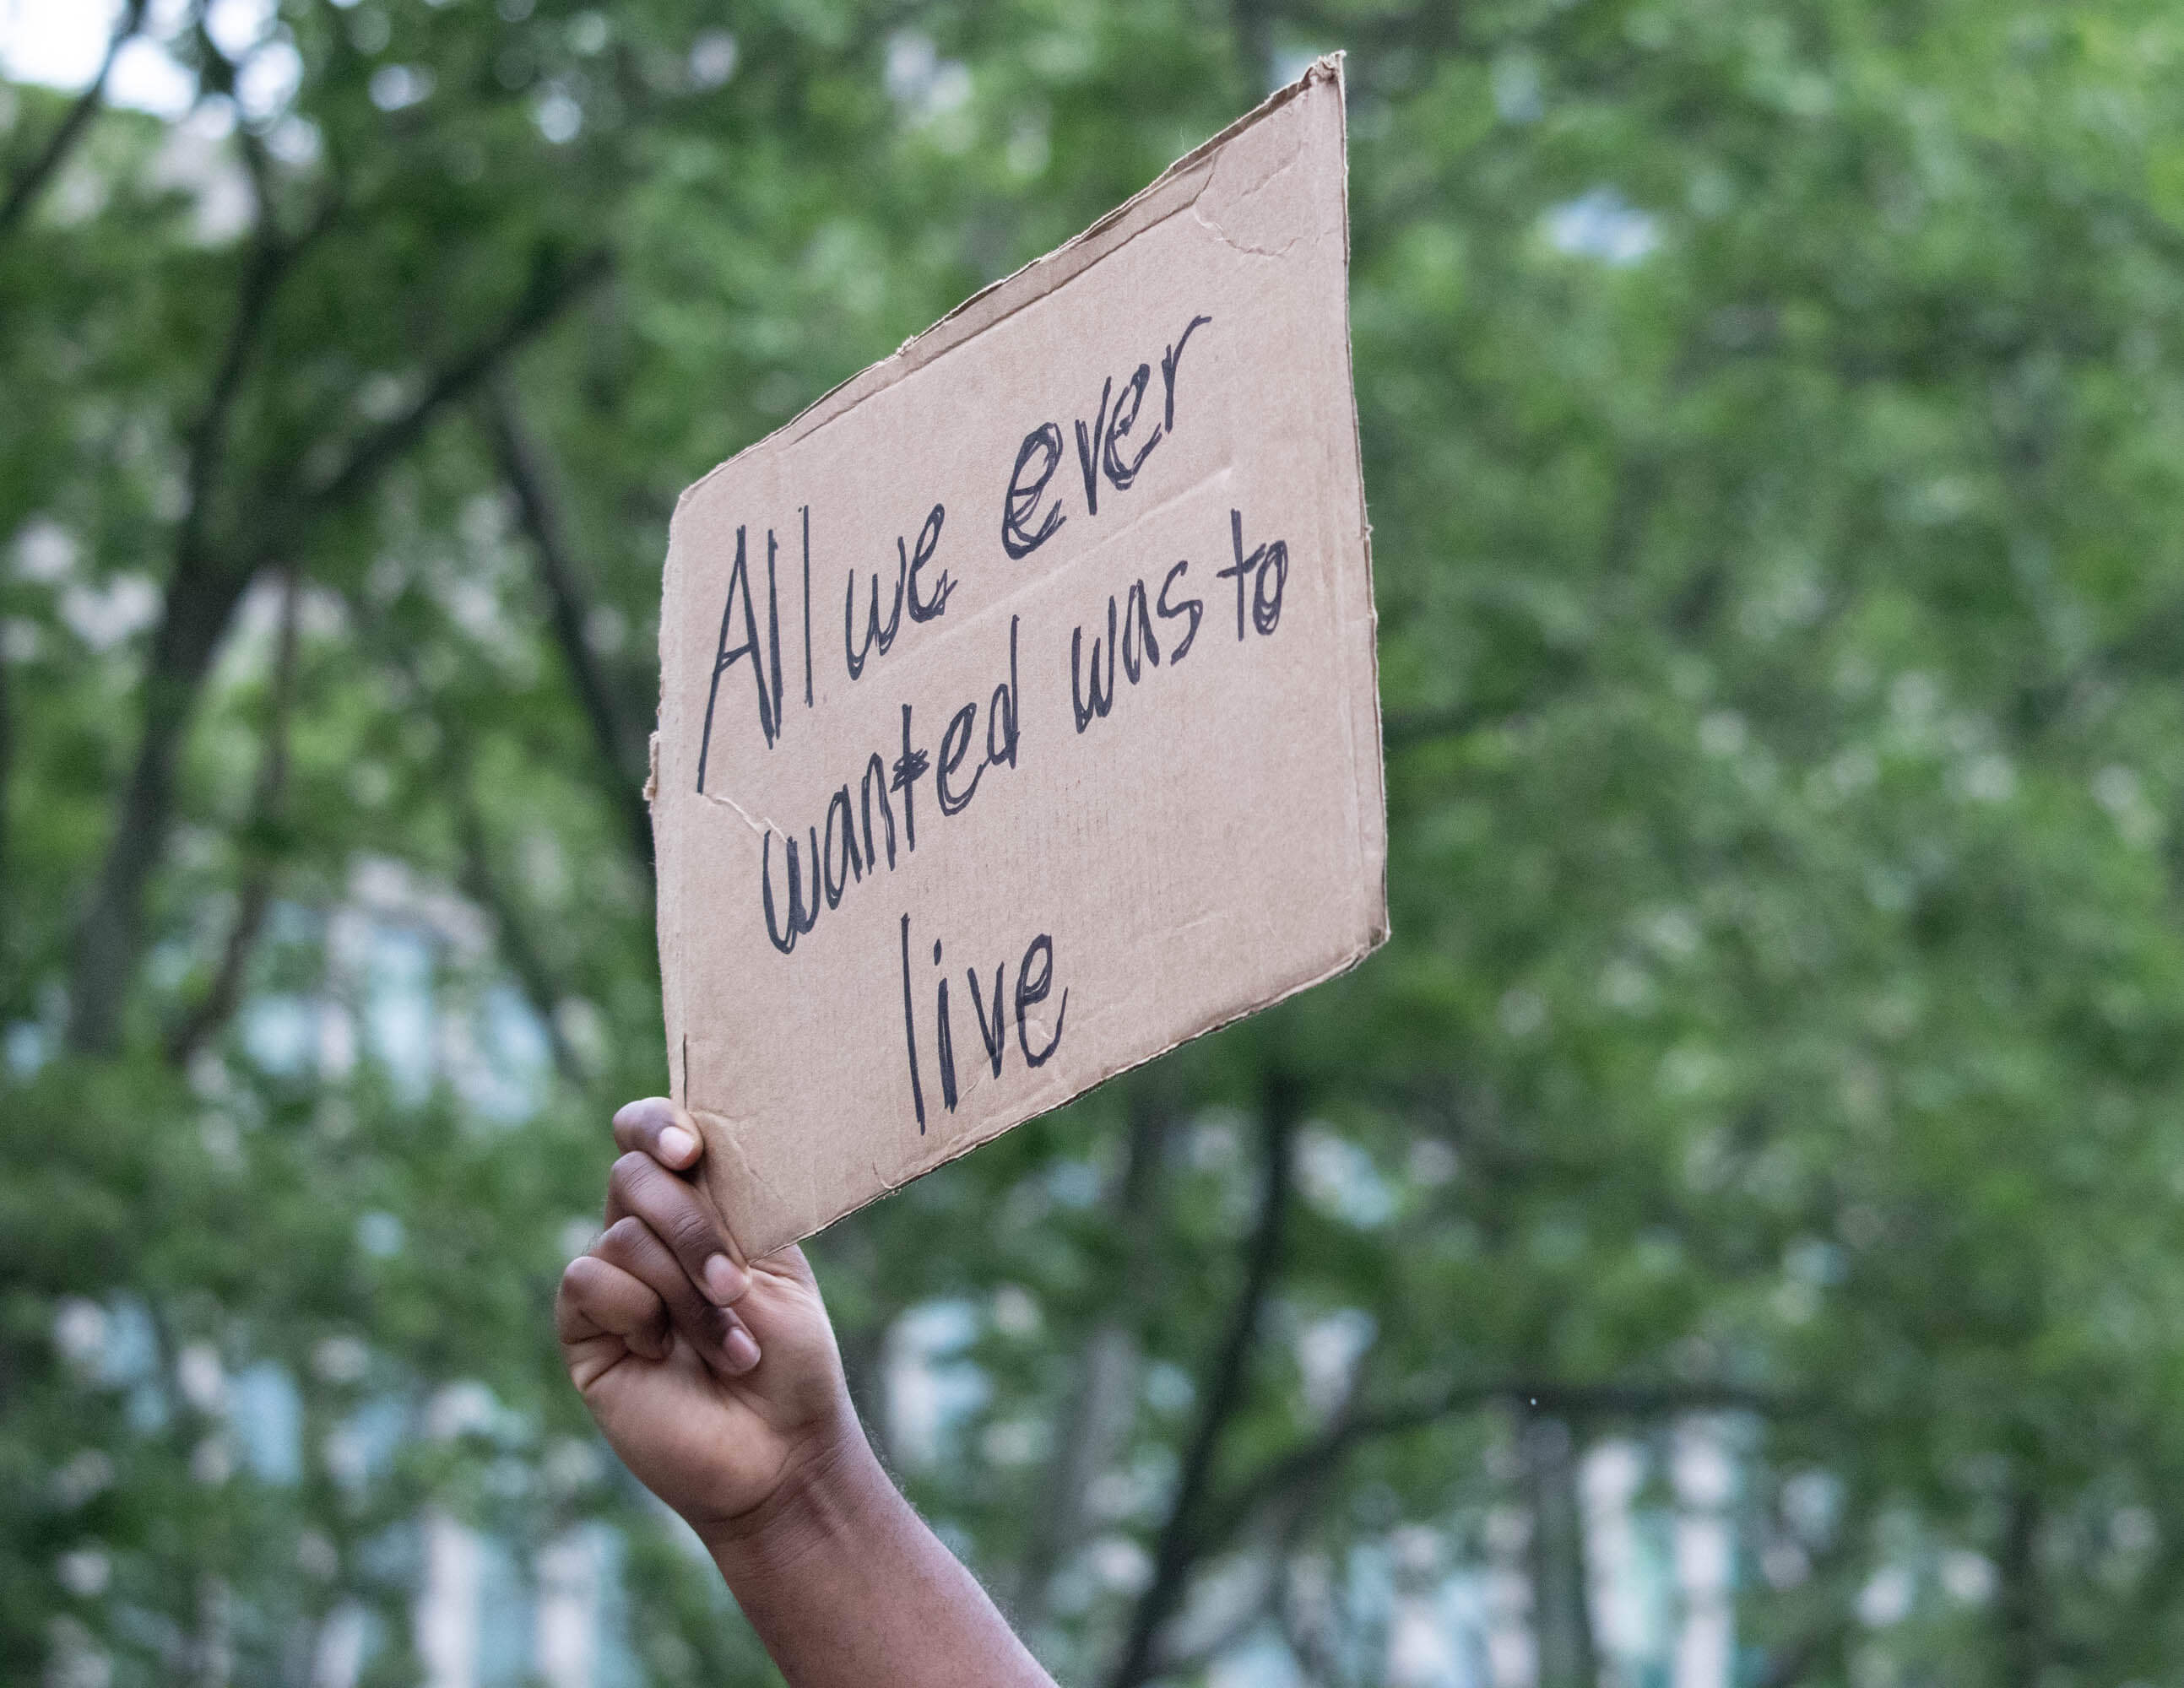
[724, 1280]
[740, 1351]
[677, 1144]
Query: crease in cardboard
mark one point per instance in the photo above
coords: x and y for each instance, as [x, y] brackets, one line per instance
[760, 827]
[721, 1135]
[1227, 201]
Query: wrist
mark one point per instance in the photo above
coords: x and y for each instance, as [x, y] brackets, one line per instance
[832, 1487]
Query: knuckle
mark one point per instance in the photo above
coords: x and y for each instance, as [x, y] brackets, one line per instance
[571, 1297]
[691, 1234]
[623, 1240]
[585, 1274]
[627, 1175]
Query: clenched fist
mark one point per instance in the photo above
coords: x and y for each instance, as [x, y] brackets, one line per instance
[717, 1380]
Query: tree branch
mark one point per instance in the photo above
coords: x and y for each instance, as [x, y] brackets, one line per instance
[7, 776]
[24, 191]
[551, 290]
[1107, 1373]
[476, 875]
[483, 887]
[1319, 1457]
[200, 598]
[2020, 1612]
[200, 601]
[1175, 1653]
[263, 850]
[1790, 1665]
[523, 466]
[1406, 727]
[1181, 1540]
[1561, 1618]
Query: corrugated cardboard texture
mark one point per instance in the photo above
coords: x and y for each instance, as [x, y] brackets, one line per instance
[1018, 715]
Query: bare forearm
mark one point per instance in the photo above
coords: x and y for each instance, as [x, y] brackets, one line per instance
[847, 1587]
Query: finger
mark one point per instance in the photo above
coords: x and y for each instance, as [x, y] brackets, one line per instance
[597, 1298]
[719, 1336]
[680, 1216]
[657, 1127]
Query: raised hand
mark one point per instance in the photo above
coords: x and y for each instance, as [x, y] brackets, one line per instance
[717, 1380]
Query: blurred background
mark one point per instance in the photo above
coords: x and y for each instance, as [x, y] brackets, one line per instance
[1722, 1242]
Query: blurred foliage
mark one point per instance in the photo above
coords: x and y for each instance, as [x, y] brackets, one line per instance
[1773, 425]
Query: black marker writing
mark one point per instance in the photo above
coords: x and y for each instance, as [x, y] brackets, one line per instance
[803, 913]
[725, 658]
[773, 626]
[1031, 992]
[1035, 985]
[820, 868]
[1085, 708]
[907, 767]
[910, 1030]
[908, 565]
[1119, 424]
[841, 846]
[996, 1035]
[1267, 561]
[929, 540]
[1099, 450]
[1171, 359]
[1139, 647]
[1130, 636]
[945, 1038]
[875, 634]
[1194, 608]
[1088, 448]
[1044, 442]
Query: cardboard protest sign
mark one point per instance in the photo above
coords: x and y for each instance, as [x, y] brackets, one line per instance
[1018, 717]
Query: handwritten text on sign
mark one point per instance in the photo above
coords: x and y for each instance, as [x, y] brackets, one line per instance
[1089, 763]
[858, 833]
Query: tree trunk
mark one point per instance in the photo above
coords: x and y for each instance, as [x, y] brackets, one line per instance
[203, 1022]
[202, 596]
[199, 602]
[1221, 1393]
[7, 774]
[2024, 1648]
[1104, 1401]
[621, 747]
[1561, 1617]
